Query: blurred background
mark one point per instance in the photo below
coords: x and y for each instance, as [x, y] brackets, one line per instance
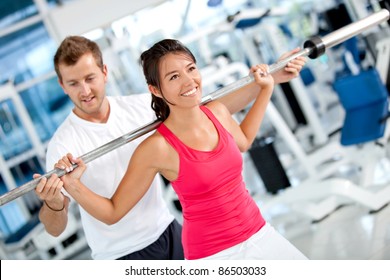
[318, 171]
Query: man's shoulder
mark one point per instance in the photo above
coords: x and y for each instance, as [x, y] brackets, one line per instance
[132, 99]
[63, 133]
[136, 107]
[64, 128]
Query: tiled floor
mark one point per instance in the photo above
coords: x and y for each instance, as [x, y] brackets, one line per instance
[350, 233]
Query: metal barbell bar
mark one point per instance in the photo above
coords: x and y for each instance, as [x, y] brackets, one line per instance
[313, 48]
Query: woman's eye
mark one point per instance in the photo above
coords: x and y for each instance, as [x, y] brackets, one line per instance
[174, 77]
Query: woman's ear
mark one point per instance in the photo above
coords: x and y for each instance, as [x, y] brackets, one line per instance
[154, 91]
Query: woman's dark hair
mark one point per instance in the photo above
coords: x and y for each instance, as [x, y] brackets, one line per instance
[74, 47]
[150, 62]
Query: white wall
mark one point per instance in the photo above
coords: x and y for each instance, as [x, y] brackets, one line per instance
[78, 17]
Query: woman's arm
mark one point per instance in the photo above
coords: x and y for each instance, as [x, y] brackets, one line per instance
[239, 99]
[245, 133]
[141, 171]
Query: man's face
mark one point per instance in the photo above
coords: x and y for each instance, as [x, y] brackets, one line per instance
[84, 83]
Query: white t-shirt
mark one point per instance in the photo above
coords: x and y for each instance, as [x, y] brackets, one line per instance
[150, 217]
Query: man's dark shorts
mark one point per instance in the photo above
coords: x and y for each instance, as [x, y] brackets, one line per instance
[167, 247]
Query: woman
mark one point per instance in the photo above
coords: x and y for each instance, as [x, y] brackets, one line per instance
[197, 148]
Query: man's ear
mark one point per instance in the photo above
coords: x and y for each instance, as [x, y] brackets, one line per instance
[62, 85]
[105, 72]
[154, 91]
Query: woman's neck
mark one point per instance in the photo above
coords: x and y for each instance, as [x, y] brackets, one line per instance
[185, 118]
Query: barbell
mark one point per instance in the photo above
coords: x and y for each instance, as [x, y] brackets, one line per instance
[312, 48]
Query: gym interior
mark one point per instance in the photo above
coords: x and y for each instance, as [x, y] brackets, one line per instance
[319, 168]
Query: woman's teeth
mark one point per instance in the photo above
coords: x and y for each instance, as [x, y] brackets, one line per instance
[191, 92]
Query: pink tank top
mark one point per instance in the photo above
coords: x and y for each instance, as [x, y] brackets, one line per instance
[218, 211]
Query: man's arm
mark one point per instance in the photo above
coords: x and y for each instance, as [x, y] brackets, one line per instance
[54, 211]
[240, 98]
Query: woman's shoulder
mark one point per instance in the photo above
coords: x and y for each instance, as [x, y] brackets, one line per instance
[154, 144]
[153, 151]
[218, 109]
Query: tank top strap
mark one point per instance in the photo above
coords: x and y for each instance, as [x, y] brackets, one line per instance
[211, 116]
[188, 152]
[171, 138]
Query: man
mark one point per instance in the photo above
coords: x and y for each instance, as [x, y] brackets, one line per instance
[148, 231]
